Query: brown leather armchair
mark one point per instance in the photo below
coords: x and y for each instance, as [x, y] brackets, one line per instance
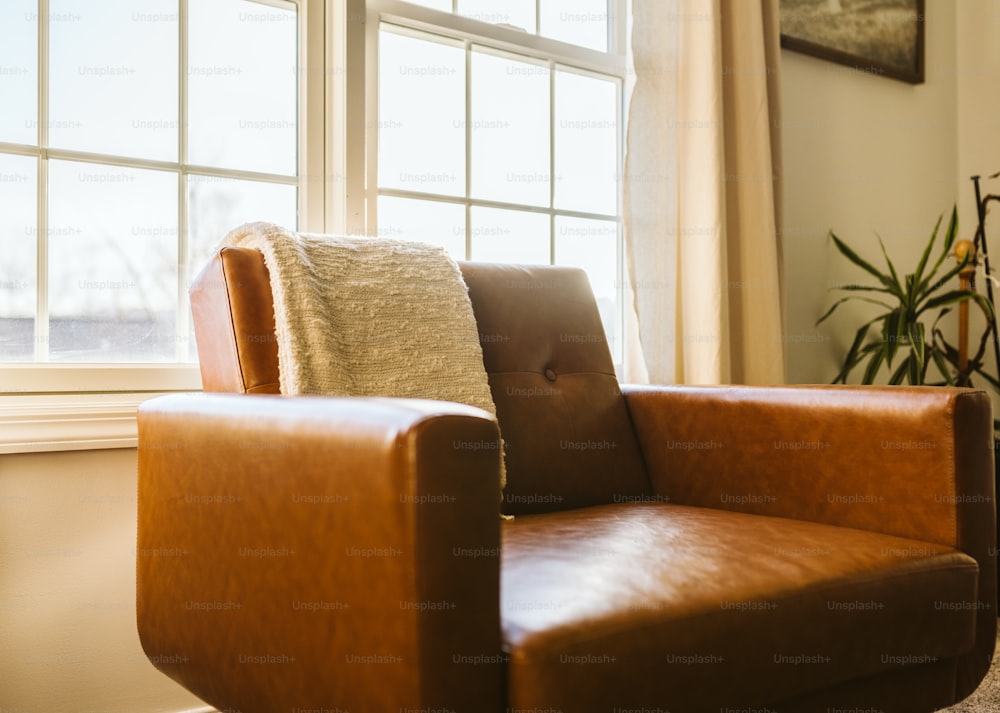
[674, 548]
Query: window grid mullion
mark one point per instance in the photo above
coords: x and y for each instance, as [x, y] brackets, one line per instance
[552, 162]
[620, 202]
[468, 149]
[486, 203]
[610, 32]
[146, 164]
[182, 83]
[42, 331]
[182, 322]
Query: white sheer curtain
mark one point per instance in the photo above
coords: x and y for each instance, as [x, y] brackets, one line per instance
[702, 191]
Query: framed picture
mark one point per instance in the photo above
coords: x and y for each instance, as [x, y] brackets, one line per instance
[879, 37]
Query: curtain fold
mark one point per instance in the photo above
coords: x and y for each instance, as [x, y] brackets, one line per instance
[702, 191]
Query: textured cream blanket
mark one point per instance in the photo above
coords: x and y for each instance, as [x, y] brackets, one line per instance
[359, 316]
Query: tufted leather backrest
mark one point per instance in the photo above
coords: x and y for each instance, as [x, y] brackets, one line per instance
[568, 436]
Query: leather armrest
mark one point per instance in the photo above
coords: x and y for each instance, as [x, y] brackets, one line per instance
[893, 460]
[914, 462]
[306, 553]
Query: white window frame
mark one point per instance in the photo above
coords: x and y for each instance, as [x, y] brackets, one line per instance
[362, 97]
[63, 406]
[43, 377]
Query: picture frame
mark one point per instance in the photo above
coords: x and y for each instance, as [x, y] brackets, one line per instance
[879, 37]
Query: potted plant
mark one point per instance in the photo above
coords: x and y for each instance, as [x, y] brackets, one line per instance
[904, 337]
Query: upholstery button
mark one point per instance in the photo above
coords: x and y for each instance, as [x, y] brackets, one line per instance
[550, 375]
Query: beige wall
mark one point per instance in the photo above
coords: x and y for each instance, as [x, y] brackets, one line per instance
[862, 154]
[67, 588]
[978, 52]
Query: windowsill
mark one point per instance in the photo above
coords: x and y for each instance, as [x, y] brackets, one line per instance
[81, 406]
[69, 422]
[27, 379]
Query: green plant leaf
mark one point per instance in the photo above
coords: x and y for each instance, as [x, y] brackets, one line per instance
[949, 236]
[939, 283]
[924, 284]
[914, 376]
[986, 306]
[892, 268]
[874, 364]
[942, 366]
[852, 358]
[848, 299]
[983, 340]
[900, 373]
[949, 240]
[892, 332]
[918, 274]
[941, 314]
[847, 252]
[915, 332]
[862, 288]
[950, 352]
[911, 293]
[948, 298]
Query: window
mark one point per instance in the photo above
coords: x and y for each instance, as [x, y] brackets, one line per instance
[500, 133]
[132, 137]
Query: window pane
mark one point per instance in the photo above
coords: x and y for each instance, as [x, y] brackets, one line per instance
[112, 263]
[513, 236]
[113, 77]
[579, 22]
[425, 221]
[421, 115]
[586, 143]
[518, 13]
[242, 85]
[593, 246]
[18, 238]
[19, 71]
[510, 130]
[217, 205]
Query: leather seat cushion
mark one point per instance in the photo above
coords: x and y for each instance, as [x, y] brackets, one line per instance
[641, 606]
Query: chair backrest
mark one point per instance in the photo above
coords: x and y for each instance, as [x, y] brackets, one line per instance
[568, 436]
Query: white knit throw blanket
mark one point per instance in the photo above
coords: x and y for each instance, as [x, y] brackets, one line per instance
[358, 316]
